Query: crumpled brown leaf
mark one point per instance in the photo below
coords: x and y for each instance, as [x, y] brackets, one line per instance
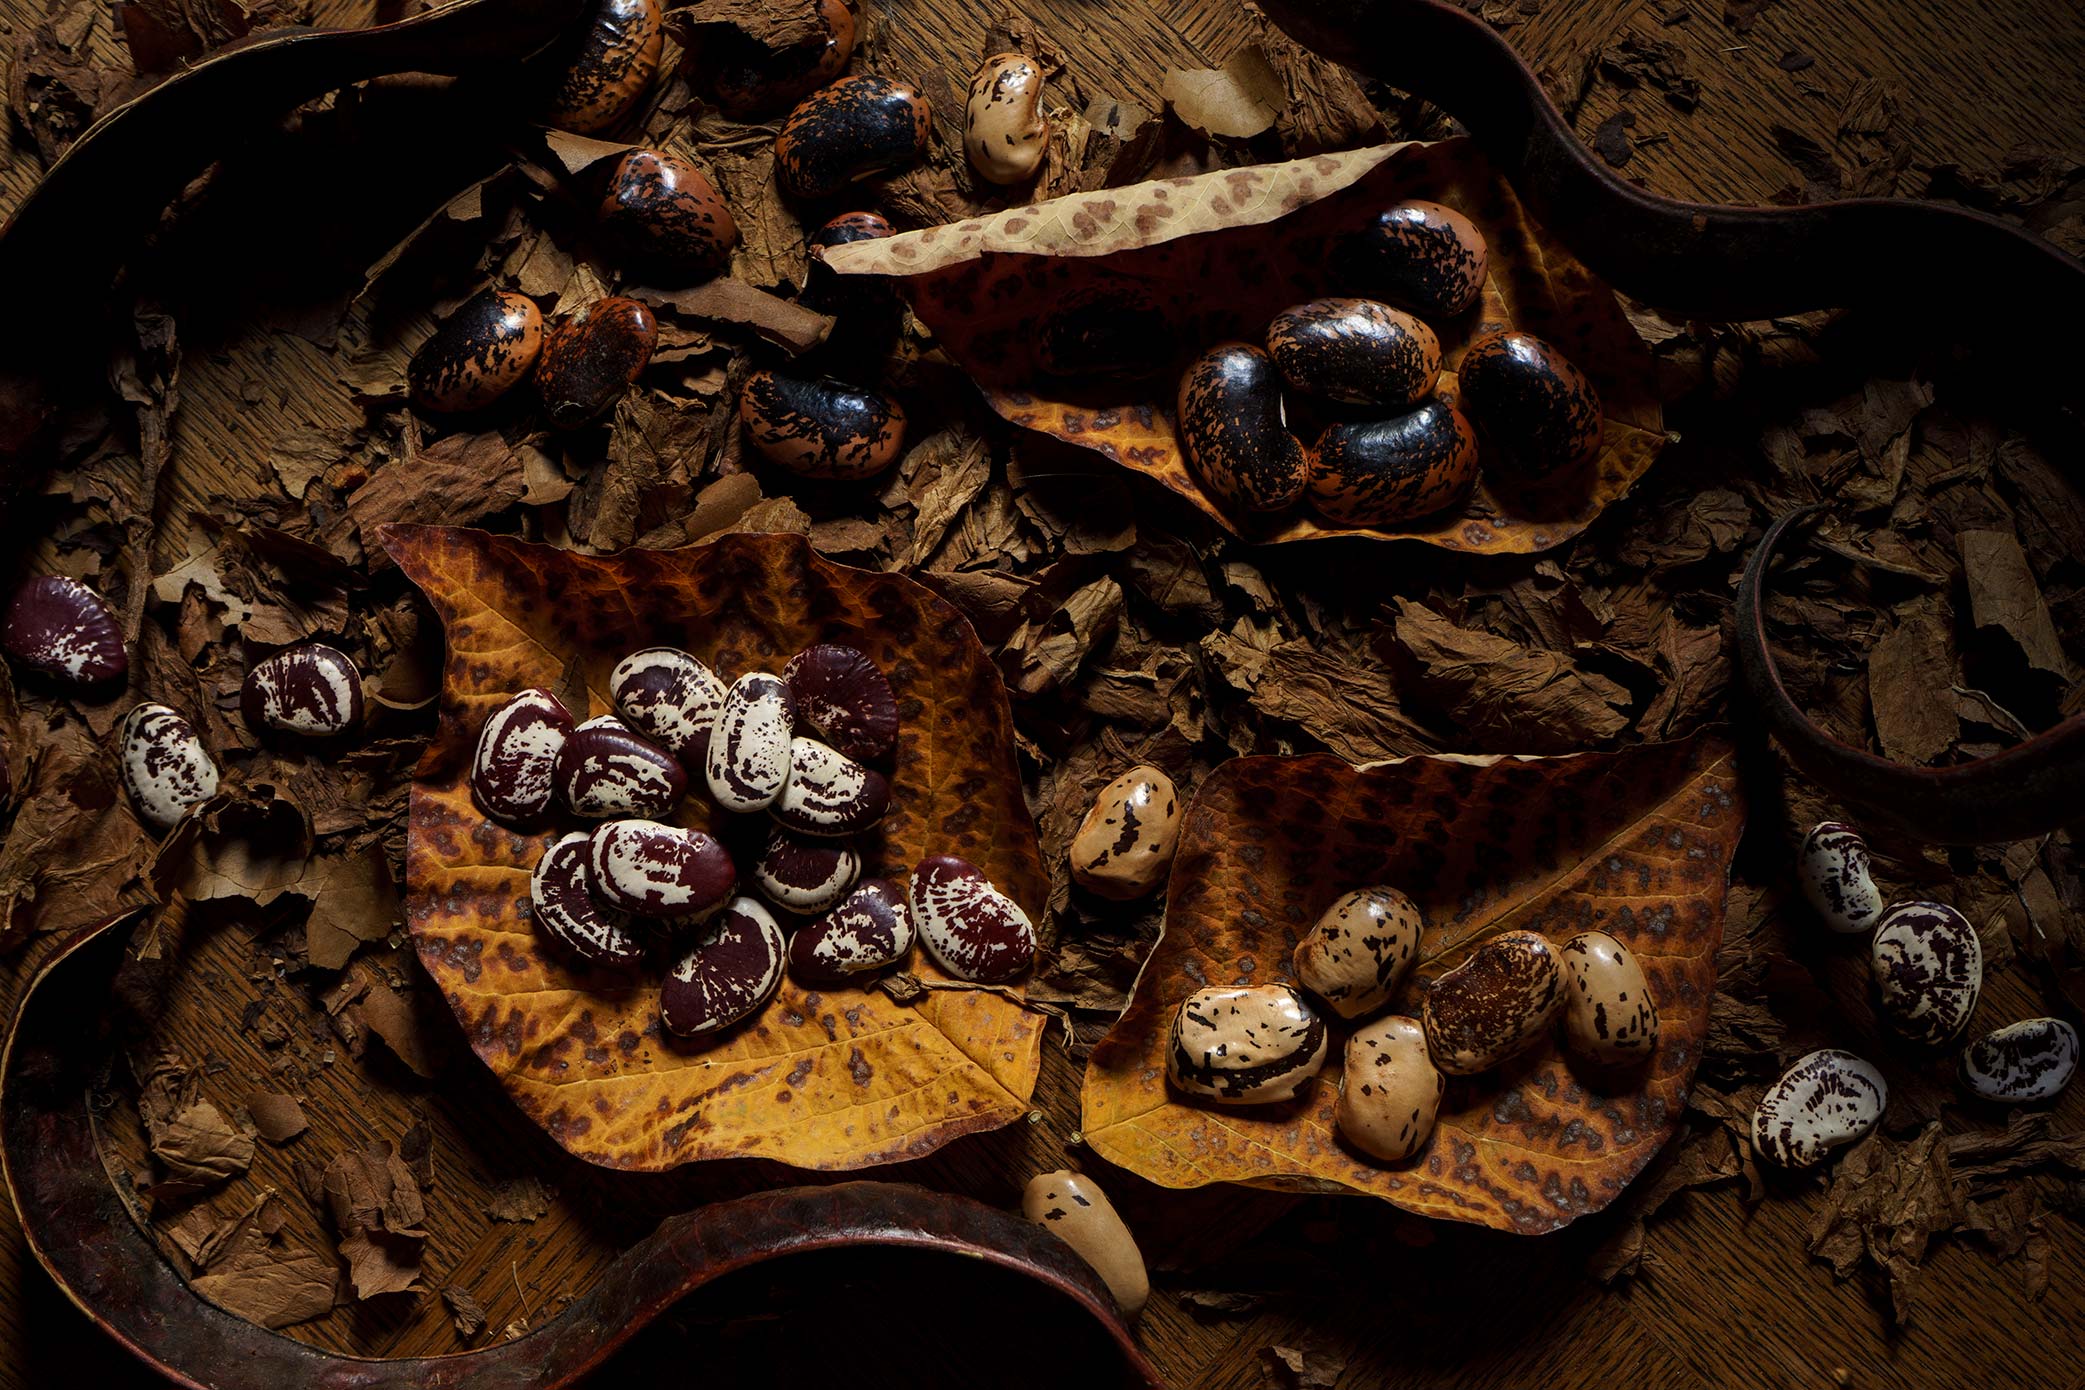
[1888, 1199]
[1236, 101]
[1505, 695]
[75, 851]
[243, 1268]
[378, 1214]
[193, 1140]
[2003, 595]
[455, 481]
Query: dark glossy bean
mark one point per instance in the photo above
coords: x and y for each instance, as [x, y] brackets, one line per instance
[732, 967]
[1387, 471]
[513, 771]
[614, 66]
[869, 930]
[312, 690]
[591, 356]
[1115, 329]
[565, 909]
[1429, 258]
[822, 428]
[1004, 129]
[973, 931]
[1535, 412]
[844, 698]
[856, 127]
[478, 354]
[829, 293]
[61, 628]
[665, 218]
[747, 78]
[1355, 351]
[1234, 432]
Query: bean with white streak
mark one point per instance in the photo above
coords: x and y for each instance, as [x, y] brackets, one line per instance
[606, 770]
[166, 769]
[805, 875]
[1245, 1045]
[748, 758]
[869, 930]
[311, 690]
[513, 772]
[1827, 1099]
[2022, 1062]
[657, 870]
[1833, 868]
[563, 905]
[731, 969]
[973, 931]
[1929, 969]
[829, 793]
[671, 698]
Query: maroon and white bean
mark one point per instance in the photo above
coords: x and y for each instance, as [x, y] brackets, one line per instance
[2022, 1062]
[974, 931]
[829, 793]
[606, 770]
[869, 930]
[1833, 868]
[313, 691]
[61, 628]
[1827, 1099]
[513, 772]
[563, 904]
[748, 758]
[845, 699]
[671, 698]
[731, 969]
[166, 769]
[805, 875]
[657, 870]
[1929, 968]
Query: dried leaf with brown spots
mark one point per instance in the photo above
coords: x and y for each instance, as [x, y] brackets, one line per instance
[981, 284]
[824, 1079]
[1636, 843]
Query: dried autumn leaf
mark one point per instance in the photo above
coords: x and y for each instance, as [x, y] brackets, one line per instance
[818, 1079]
[1237, 101]
[1264, 233]
[1636, 843]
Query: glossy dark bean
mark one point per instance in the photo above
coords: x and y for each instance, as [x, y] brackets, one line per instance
[1116, 329]
[313, 691]
[606, 770]
[59, 627]
[803, 874]
[1535, 412]
[1355, 351]
[659, 871]
[856, 127]
[565, 909]
[822, 428]
[1234, 432]
[732, 967]
[844, 698]
[513, 772]
[829, 293]
[478, 354]
[1388, 471]
[617, 59]
[1429, 258]
[590, 357]
[666, 219]
[748, 79]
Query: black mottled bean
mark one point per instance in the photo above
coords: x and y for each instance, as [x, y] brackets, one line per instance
[747, 78]
[1535, 412]
[615, 62]
[1233, 430]
[1355, 351]
[856, 127]
[665, 217]
[1387, 471]
[821, 428]
[1429, 258]
[590, 358]
[478, 354]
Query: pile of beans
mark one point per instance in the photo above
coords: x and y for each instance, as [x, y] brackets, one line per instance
[1392, 446]
[1259, 1044]
[619, 887]
[1927, 964]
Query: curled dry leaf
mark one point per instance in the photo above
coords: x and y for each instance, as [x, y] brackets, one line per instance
[982, 284]
[826, 1080]
[1635, 843]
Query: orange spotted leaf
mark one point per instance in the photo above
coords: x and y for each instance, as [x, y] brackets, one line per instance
[1220, 254]
[828, 1079]
[1635, 843]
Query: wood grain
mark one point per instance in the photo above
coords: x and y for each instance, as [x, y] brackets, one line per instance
[1730, 1300]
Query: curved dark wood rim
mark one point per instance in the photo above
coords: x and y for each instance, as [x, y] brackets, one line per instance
[2022, 791]
[1988, 280]
[80, 1232]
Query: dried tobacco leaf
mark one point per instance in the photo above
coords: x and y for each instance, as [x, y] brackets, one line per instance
[1264, 234]
[821, 1080]
[377, 1212]
[188, 1134]
[1636, 843]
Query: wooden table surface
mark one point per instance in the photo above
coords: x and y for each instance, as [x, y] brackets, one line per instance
[1730, 1298]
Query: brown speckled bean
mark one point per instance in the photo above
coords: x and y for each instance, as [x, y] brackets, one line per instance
[666, 219]
[856, 127]
[1004, 129]
[1390, 471]
[616, 60]
[1234, 432]
[591, 356]
[479, 353]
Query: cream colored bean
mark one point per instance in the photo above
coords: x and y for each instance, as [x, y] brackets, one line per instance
[1072, 1206]
[1390, 1090]
[1359, 951]
[1609, 1016]
[1245, 1045]
[1125, 844]
[1004, 129]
